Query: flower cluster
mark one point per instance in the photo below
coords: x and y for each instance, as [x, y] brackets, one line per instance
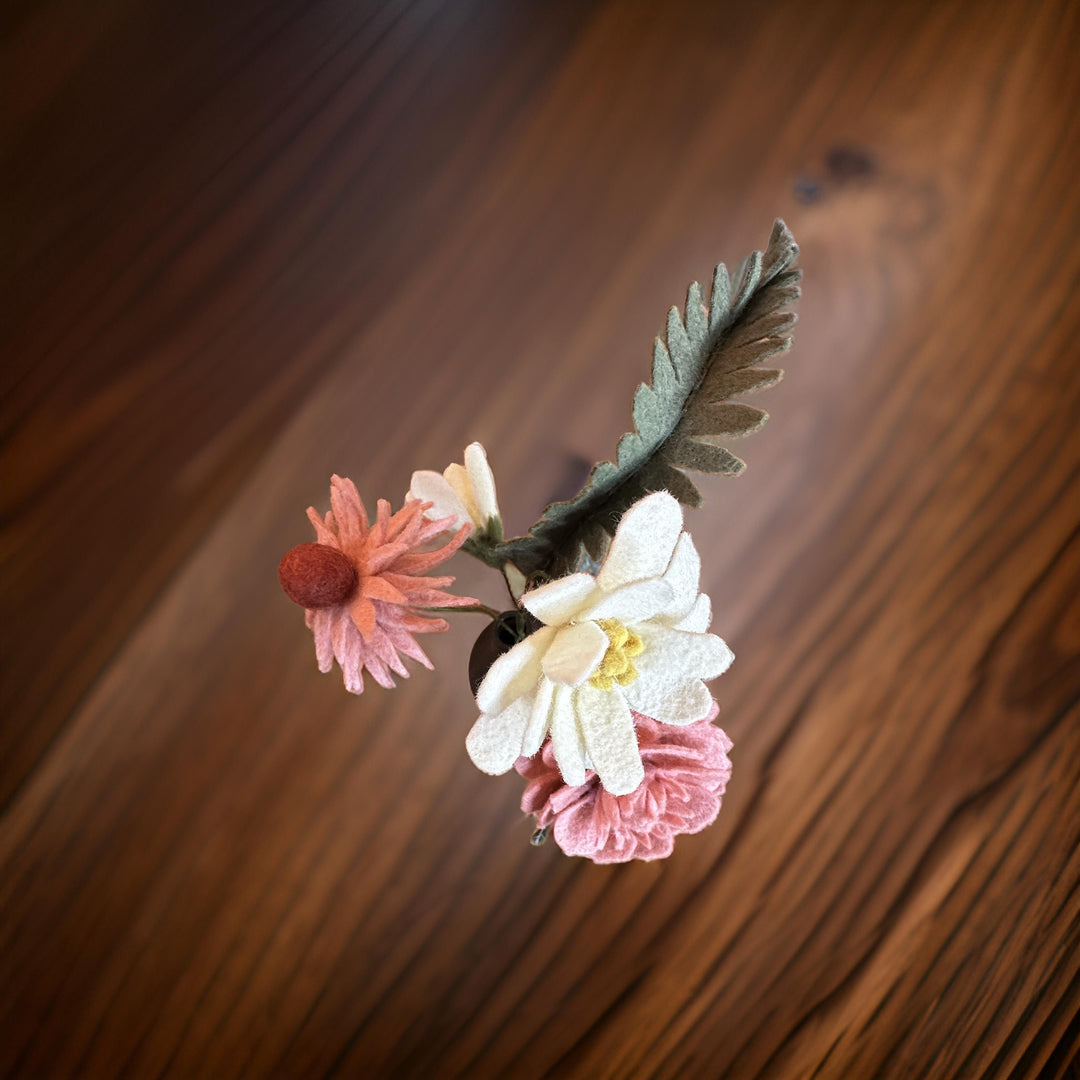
[634, 638]
[593, 685]
[601, 705]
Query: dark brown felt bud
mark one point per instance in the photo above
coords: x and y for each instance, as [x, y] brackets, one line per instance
[317, 576]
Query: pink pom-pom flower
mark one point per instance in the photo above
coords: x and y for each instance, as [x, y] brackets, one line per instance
[363, 588]
[686, 772]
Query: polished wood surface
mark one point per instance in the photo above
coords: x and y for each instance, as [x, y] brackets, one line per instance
[251, 245]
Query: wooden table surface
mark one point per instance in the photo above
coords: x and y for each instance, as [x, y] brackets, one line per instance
[254, 244]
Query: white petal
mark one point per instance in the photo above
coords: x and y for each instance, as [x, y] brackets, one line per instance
[514, 673]
[644, 541]
[669, 687]
[482, 481]
[458, 479]
[610, 739]
[539, 718]
[679, 655]
[430, 487]
[684, 576]
[566, 742]
[632, 603]
[515, 579]
[575, 653]
[699, 618]
[494, 743]
[557, 602]
[672, 702]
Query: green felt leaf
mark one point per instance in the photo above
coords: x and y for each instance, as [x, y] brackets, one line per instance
[709, 355]
[705, 457]
[728, 384]
[727, 418]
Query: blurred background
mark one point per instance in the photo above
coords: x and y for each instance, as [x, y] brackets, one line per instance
[249, 245]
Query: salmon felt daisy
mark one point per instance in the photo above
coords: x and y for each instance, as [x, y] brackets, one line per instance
[363, 585]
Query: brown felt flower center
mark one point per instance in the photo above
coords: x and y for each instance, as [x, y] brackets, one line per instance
[317, 576]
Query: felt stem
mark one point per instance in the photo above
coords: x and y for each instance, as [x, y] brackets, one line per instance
[481, 609]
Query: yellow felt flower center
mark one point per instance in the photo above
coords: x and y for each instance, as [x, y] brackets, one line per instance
[618, 663]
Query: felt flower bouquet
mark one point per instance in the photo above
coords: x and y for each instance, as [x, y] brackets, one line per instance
[593, 685]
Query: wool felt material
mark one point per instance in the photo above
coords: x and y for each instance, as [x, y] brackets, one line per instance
[574, 654]
[546, 684]
[687, 770]
[316, 576]
[496, 638]
[709, 354]
[374, 627]
[516, 581]
[634, 601]
[617, 665]
[462, 494]
[594, 686]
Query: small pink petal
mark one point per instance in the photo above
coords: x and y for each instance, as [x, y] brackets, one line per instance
[436, 598]
[349, 512]
[428, 626]
[418, 562]
[377, 588]
[324, 534]
[363, 615]
[407, 582]
[407, 646]
[319, 622]
[380, 558]
[382, 520]
[379, 673]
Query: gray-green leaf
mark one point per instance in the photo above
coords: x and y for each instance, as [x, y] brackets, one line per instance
[709, 356]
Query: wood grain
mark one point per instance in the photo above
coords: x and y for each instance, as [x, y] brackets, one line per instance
[255, 244]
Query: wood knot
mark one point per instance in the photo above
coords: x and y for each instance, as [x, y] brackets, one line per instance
[847, 162]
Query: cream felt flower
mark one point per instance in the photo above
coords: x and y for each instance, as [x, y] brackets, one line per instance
[631, 639]
[463, 493]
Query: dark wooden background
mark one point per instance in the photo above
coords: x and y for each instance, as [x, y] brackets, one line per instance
[252, 244]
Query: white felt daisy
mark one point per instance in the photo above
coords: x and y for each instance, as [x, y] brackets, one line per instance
[632, 638]
[465, 493]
